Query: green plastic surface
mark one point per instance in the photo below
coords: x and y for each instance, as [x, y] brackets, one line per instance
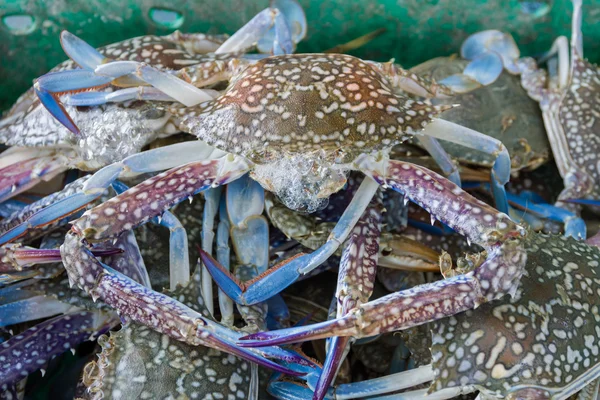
[416, 30]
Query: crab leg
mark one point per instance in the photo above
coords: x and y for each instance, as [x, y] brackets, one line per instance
[574, 225]
[20, 308]
[146, 306]
[27, 352]
[277, 29]
[16, 258]
[358, 390]
[250, 33]
[435, 150]
[75, 196]
[280, 277]
[224, 257]
[98, 98]
[197, 43]
[354, 287]
[245, 202]
[211, 205]
[295, 20]
[18, 225]
[455, 133]
[497, 276]
[179, 259]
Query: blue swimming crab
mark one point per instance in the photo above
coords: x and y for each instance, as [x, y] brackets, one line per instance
[540, 343]
[568, 100]
[83, 319]
[298, 124]
[127, 119]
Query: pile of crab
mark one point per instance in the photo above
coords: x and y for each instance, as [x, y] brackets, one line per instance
[451, 280]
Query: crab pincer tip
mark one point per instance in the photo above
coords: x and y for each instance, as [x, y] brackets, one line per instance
[55, 108]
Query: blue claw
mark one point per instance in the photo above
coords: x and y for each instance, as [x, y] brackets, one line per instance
[492, 41]
[226, 282]
[310, 375]
[56, 110]
[283, 37]
[574, 226]
[79, 51]
[485, 69]
[260, 289]
[64, 81]
[295, 19]
[289, 390]
[587, 202]
[278, 316]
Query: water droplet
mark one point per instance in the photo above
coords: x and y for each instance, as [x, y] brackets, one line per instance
[166, 18]
[535, 8]
[19, 24]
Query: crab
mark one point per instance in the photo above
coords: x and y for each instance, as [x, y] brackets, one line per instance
[126, 120]
[567, 101]
[298, 124]
[539, 344]
[83, 320]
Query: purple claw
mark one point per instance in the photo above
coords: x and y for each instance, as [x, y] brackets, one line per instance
[22, 175]
[445, 201]
[14, 257]
[27, 352]
[143, 305]
[337, 353]
[290, 335]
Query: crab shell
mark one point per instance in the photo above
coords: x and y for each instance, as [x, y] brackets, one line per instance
[577, 113]
[546, 338]
[299, 115]
[502, 110]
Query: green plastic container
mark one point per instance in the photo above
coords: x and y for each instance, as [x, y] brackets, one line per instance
[416, 30]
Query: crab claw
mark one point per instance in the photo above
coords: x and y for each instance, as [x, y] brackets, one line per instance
[48, 88]
[338, 348]
[481, 44]
[157, 310]
[79, 51]
[296, 20]
[292, 335]
[260, 288]
[277, 29]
